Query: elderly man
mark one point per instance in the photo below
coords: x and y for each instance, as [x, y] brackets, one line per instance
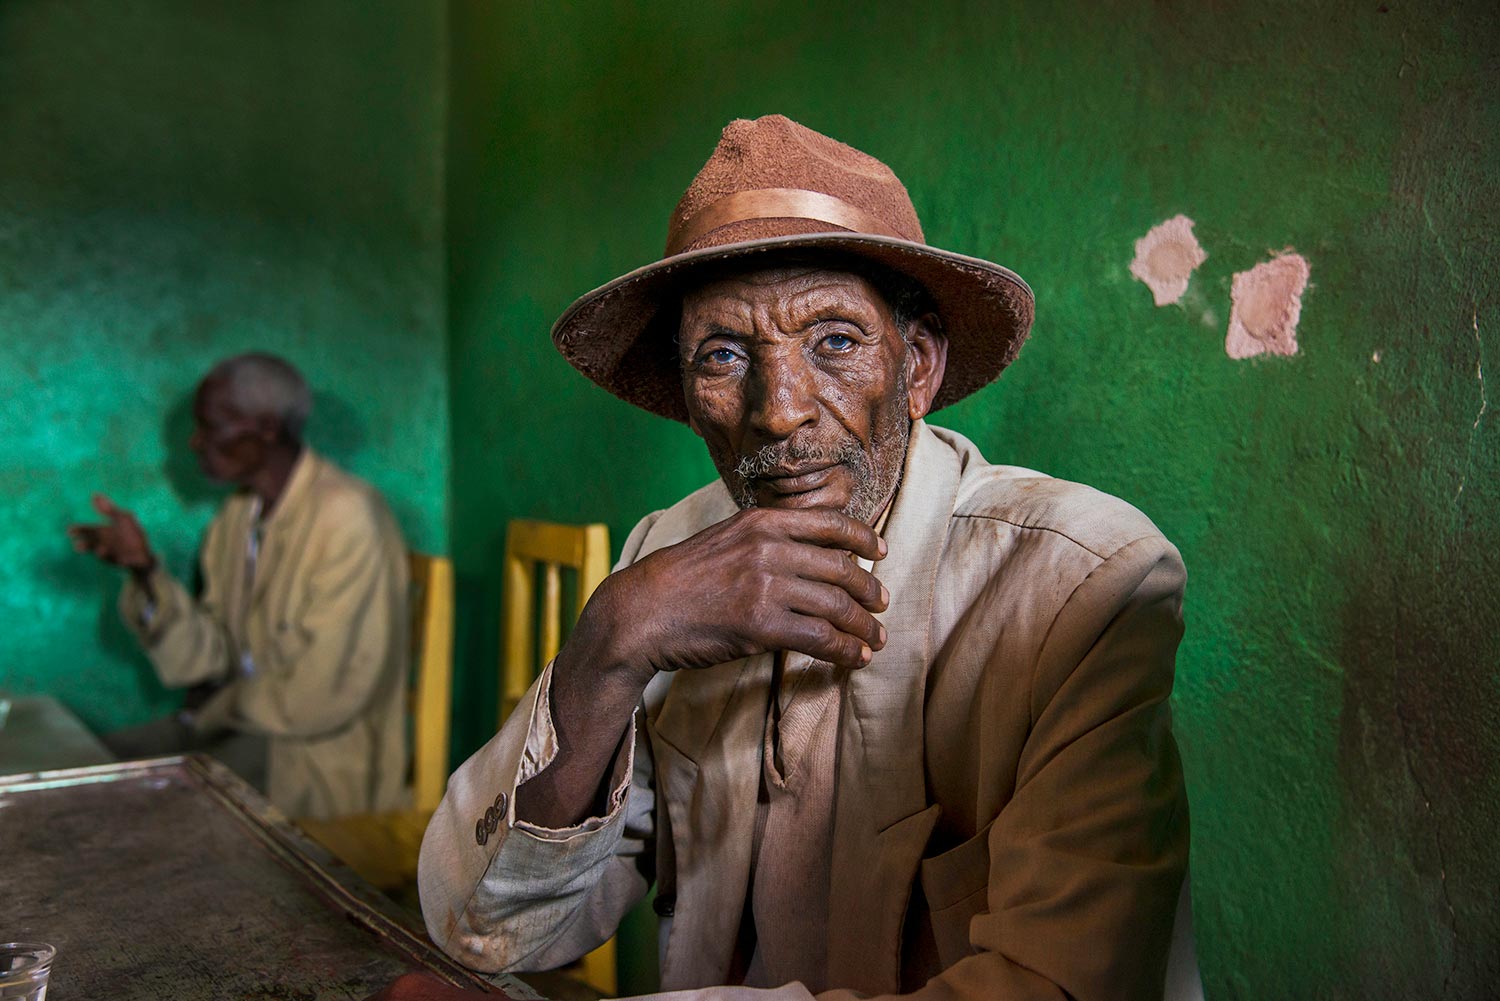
[873, 715]
[300, 636]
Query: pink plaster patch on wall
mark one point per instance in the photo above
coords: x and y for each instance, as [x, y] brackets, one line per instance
[1166, 257]
[1265, 305]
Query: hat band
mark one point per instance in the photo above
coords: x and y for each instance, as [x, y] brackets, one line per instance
[778, 203]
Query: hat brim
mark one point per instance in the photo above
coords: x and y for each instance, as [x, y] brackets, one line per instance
[613, 334]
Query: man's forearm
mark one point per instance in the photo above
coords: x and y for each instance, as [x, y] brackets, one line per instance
[593, 695]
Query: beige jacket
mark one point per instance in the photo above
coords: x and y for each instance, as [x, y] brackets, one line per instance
[1010, 815]
[326, 628]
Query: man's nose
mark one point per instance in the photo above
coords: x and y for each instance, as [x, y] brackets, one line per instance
[784, 398]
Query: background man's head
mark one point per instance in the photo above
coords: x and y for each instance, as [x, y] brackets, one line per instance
[248, 408]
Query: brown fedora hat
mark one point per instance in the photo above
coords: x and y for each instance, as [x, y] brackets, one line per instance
[773, 187]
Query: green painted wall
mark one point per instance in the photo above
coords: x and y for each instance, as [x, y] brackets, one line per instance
[1337, 696]
[180, 182]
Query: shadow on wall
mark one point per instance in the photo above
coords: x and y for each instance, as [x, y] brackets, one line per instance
[86, 579]
[1416, 740]
[337, 430]
[476, 658]
[180, 465]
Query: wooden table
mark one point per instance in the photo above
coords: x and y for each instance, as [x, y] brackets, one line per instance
[41, 733]
[172, 878]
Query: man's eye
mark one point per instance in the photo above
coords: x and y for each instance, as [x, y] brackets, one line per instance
[838, 342]
[719, 356]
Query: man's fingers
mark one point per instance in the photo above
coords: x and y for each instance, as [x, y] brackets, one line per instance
[86, 538]
[836, 607]
[819, 639]
[116, 514]
[832, 566]
[824, 526]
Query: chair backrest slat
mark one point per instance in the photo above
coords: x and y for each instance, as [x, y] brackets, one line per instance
[527, 646]
[552, 614]
[432, 684]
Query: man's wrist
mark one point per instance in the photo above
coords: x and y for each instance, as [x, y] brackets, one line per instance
[601, 640]
[141, 576]
[611, 680]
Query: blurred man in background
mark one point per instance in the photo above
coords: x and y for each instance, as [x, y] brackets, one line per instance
[297, 647]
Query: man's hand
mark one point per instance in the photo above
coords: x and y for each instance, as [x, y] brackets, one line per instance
[764, 579]
[120, 541]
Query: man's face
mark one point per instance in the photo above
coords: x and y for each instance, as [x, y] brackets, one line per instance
[797, 379]
[231, 446]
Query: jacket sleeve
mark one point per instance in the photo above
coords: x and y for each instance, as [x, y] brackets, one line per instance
[499, 894]
[184, 639]
[332, 657]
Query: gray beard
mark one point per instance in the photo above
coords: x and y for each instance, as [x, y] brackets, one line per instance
[875, 477]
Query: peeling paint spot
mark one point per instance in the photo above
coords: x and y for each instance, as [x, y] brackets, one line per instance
[1375, 357]
[1265, 305]
[1166, 257]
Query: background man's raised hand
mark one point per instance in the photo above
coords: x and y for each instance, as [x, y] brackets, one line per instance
[120, 540]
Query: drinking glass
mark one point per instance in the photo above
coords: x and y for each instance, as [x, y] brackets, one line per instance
[24, 969]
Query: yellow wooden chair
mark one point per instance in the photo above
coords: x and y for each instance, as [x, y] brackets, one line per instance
[533, 618]
[383, 847]
[530, 545]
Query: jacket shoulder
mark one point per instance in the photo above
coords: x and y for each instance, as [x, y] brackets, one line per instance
[341, 499]
[1025, 499]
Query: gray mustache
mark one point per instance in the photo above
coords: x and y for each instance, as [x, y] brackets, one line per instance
[787, 453]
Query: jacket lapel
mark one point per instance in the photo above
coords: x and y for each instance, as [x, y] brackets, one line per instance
[882, 819]
[710, 796]
[284, 520]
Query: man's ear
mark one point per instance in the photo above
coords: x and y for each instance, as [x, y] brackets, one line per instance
[926, 360]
